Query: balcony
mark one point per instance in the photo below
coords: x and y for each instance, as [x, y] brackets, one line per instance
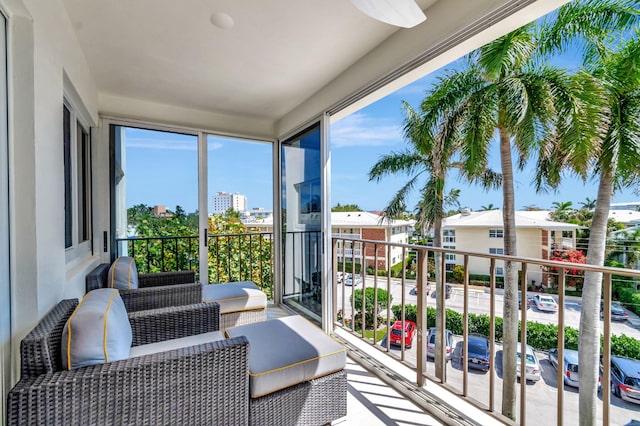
[403, 377]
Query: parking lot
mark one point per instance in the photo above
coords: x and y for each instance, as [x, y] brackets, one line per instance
[541, 396]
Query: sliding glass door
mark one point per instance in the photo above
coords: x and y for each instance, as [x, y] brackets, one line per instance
[301, 166]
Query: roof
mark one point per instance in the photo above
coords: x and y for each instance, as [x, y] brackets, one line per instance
[625, 216]
[366, 219]
[351, 219]
[493, 219]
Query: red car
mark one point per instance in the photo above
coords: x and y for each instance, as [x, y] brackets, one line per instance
[396, 333]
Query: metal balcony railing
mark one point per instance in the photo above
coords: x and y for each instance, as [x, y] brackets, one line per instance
[468, 301]
[231, 257]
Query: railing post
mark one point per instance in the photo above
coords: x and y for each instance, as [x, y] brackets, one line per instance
[560, 375]
[606, 356]
[523, 350]
[421, 360]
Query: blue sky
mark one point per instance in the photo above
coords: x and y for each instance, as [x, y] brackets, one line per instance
[162, 168]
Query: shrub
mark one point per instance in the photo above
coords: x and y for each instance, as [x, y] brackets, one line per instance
[539, 336]
[458, 273]
[630, 298]
[381, 297]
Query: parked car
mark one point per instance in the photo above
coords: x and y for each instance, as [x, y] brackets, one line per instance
[532, 366]
[625, 378]
[340, 277]
[569, 367]
[395, 337]
[520, 301]
[447, 292]
[545, 303]
[353, 281]
[431, 343]
[618, 313]
[478, 352]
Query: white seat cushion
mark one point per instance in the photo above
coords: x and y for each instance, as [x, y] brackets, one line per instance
[167, 345]
[235, 297]
[287, 351]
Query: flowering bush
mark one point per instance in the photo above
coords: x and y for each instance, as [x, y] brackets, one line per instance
[574, 276]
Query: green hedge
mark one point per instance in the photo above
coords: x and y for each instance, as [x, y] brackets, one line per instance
[630, 298]
[539, 336]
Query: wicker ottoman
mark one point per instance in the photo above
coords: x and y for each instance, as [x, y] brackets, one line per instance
[240, 302]
[296, 373]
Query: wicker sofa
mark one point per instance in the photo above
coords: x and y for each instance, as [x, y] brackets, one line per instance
[164, 289]
[203, 384]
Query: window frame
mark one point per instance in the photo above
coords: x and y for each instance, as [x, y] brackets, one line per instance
[496, 233]
[79, 169]
[496, 250]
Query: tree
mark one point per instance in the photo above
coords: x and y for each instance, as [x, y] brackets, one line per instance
[433, 140]
[488, 207]
[625, 246]
[346, 208]
[504, 90]
[372, 301]
[561, 206]
[588, 204]
[614, 154]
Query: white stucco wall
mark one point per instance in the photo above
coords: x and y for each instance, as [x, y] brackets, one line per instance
[42, 49]
[529, 244]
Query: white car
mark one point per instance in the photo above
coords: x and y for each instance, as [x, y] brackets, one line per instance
[545, 303]
[532, 369]
[353, 281]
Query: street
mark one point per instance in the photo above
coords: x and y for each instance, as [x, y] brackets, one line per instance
[542, 395]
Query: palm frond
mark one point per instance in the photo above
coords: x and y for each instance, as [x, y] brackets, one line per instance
[407, 162]
[588, 25]
[510, 52]
[397, 205]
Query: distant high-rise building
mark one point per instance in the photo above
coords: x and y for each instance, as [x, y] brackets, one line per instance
[224, 201]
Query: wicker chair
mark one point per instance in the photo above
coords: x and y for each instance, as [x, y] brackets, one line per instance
[164, 289]
[158, 290]
[202, 384]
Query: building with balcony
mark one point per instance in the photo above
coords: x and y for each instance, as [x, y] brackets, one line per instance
[482, 232]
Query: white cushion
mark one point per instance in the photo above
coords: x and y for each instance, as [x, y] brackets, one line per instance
[97, 331]
[167, 345]
[123, 274]
[235, 296]
[287, 351]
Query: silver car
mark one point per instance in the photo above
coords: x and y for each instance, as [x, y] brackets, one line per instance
[532, 368]
[569, 367]
[431, 343]
[545, 303]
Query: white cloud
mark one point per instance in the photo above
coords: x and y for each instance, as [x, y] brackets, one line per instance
[174, 145]
[160, 144]
[362, 130]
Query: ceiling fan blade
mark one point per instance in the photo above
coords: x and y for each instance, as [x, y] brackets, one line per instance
[401, 13]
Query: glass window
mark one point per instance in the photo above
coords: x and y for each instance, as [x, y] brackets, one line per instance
[496, 250]
[496, 233]
[499, 271]
[76, 152]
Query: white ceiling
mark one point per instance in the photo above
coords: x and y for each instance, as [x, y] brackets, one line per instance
[279, 53]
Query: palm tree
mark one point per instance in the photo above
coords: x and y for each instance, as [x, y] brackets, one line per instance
[592, 25]
[560, 206]
[617, 166]
[502, 90]
[588, 204]
[488, 207]
[432, 146]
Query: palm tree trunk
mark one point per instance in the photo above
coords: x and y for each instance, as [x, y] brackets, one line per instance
[440, 295]
[589, 340]
[510, 310]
